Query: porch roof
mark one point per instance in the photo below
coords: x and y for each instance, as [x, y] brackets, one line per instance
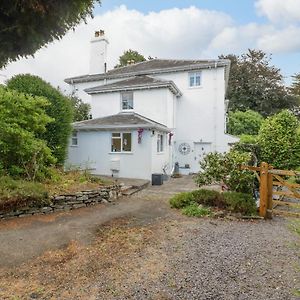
[135, 83]
[121, 120]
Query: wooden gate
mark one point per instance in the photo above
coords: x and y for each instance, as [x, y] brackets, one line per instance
[270, 182]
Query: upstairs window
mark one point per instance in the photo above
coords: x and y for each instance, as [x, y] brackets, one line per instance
[160, 143]
[195, 79]
[74, 141]
[121, 142]
[127, 101]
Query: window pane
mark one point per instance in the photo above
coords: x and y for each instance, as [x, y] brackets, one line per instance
[198, 79]
[74, 134]
[116, 145]
[116, 135]
[74, 142]
[126, 141]
[161, 143]
[127, 100]
[158, 143]
[130, 104]
[191, 80]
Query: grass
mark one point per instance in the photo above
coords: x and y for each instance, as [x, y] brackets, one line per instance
[196, 210]
[19, 193]
[61, 182]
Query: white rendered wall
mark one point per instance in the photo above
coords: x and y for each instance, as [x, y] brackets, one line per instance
[200, 114]
[161, 159]
[93, 151]
[156, 104]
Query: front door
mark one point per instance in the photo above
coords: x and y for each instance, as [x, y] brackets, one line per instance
[200, 150]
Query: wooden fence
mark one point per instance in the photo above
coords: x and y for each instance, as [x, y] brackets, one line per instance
[269, 181]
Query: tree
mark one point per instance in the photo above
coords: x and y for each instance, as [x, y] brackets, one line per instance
[279, 141]
[28, 25]
[247, 122]
[257, 85]
[295, 92]
[57, 132]
[22, 121]
[81, 110]
[130, 57]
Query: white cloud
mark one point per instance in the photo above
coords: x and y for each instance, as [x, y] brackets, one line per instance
[279, 11]
[281, 41]
[234, 39]
[172, 33]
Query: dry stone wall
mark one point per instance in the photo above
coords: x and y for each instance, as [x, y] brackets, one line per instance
[68, 202]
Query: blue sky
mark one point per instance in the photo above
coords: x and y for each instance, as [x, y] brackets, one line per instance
[181, 29]
[241, 10]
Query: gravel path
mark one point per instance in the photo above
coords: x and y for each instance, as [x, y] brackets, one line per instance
[149, 251]
[225, 260]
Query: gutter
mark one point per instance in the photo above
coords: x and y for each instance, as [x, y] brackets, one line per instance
[170, 85]
[89, 78]
[113, 127]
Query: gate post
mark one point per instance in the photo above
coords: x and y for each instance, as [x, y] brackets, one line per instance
[270, 195]
[263, 189]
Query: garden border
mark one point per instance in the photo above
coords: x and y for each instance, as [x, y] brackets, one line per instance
[68, 202]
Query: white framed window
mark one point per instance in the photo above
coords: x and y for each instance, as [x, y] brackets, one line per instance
[195, 79]
[74, 140]
[121, 142]
[127, 101]
[160, 143]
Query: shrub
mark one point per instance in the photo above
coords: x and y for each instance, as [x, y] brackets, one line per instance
[58, 132]
[15, 194]
[22, 121]
[196, 210]
[244, 122]
[280, 141]
[208, 197]
[240, 203]
[182, 200]
[225, 168]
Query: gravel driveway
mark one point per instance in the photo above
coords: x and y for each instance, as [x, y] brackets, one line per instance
[148, 251]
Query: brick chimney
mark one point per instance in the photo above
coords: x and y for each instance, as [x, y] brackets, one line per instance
[98, 53]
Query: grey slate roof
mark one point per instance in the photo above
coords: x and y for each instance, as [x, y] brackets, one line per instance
[121, 120]
[154, 66]
[137, 82]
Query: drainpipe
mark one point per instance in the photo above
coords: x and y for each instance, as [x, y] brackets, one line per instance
[215, 119]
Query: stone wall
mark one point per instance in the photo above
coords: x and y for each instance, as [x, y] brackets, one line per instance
[68, 202]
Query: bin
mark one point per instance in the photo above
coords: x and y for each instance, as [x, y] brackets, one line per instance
[157, 179]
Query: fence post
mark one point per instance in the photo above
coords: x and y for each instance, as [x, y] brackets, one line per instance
[263, 189]
[270, 194]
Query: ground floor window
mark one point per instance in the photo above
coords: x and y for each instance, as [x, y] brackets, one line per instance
[121, 142]
[74, 139]
[160, 143]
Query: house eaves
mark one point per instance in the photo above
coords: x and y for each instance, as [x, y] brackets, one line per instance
[189, 67]
[170, 85]
[124, 120]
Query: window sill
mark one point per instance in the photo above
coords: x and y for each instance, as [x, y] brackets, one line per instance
[124, 152]
[160, 153]
[74, 146]
[195, 87]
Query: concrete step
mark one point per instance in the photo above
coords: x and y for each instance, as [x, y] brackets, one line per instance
[134, 188]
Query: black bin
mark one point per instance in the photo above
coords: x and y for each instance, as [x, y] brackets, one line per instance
[157, 179]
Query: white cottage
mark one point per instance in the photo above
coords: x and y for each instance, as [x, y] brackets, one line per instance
[150, 115]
